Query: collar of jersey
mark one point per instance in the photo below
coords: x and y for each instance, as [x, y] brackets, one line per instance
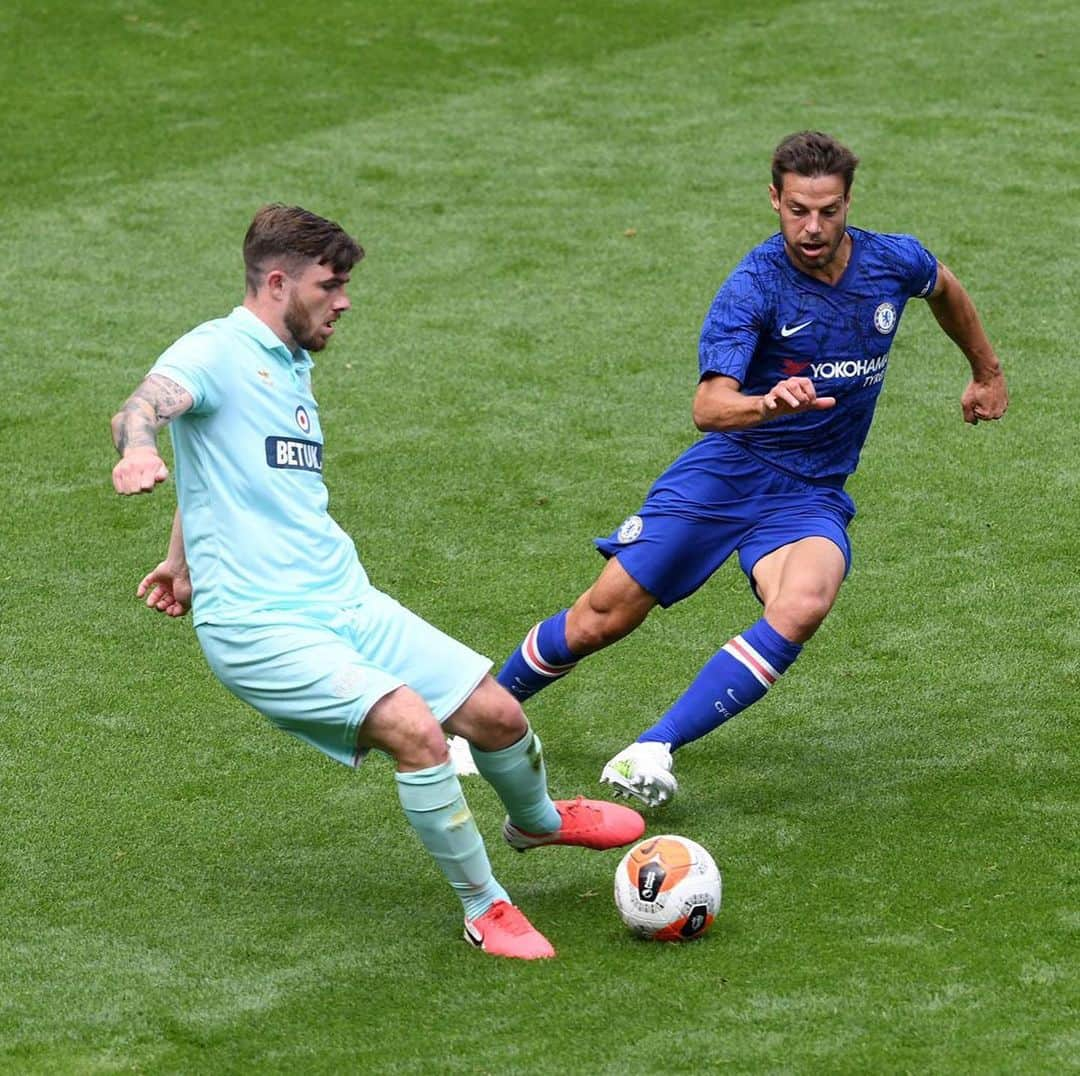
[258, 330]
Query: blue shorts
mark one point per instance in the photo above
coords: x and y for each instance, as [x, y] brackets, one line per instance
[716, 499]
[315, 673]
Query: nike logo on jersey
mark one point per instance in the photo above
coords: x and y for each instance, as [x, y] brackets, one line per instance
[791, 330]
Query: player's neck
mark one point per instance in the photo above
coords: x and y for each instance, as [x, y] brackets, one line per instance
[272, 318]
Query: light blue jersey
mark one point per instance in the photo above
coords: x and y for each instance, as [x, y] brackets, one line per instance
[248, 471]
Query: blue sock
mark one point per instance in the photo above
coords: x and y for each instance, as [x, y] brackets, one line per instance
[734, 677]
[438, 812]
[518, 775]
[541, 659]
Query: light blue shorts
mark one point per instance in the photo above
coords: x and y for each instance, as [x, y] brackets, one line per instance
[316, 673]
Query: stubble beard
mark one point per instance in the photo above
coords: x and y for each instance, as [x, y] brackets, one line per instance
[299, 325]
[822, 260]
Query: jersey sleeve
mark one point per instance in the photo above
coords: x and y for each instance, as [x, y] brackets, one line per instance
[195, 362]
[732, 326]
[919, 267]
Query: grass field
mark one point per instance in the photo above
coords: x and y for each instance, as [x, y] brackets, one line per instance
[549, 196]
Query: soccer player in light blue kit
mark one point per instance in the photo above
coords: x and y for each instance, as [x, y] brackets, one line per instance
[792, 358]
[283, 609]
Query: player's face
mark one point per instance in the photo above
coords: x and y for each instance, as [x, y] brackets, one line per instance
[316, 300]
[813, 216]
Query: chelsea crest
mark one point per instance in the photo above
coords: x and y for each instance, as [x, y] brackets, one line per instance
[885, 318]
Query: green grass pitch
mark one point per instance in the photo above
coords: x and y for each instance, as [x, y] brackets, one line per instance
[549, 195]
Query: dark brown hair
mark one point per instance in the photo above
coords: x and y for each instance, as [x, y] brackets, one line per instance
[294, 236]
[811, 153]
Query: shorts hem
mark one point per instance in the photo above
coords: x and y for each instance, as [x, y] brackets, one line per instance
[454, 707]
[749, 570]
[663, 602]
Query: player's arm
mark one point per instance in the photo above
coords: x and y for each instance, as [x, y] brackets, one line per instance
[135, 427]
[986, 397]
[168, 587]
[720, 405]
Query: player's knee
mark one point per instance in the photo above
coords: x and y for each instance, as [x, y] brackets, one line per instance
[491, 718]
[501, 723]
[799, 614]
[422, 747]
[419, 752]
[402, 725]
[593, 629]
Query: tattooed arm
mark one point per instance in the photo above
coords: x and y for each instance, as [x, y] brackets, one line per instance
[135, 427]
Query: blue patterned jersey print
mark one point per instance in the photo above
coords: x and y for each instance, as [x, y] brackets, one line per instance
[770, 321]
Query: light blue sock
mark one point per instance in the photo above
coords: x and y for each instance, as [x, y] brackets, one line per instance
[732, 679]
[518, 775]
[438, 812]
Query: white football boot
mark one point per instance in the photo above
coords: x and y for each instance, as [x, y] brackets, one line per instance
[461, 757]
[642, 770]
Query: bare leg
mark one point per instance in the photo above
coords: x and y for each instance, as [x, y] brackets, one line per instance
[798, 583]
[608, 611]
[611, 608]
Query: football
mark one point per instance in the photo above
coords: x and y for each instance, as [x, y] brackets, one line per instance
[668, 889]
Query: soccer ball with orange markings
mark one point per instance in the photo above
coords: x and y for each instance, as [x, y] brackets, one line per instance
[668, 889]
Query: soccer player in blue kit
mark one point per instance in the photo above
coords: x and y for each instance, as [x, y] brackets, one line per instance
[792, 357]
[283, 609]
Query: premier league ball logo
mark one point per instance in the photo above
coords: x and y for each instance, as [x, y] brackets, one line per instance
[885, 318]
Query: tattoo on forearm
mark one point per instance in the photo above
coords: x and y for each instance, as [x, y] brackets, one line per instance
[155, 402]
[134, 426]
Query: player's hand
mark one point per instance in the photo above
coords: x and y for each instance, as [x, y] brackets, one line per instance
[139, 471]
[166, 589]
[792, 396]
[985, 400]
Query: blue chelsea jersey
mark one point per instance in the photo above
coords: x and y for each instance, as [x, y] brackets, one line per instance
[248, 470]
[770, 321]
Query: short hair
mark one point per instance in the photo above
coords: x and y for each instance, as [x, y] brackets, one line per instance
[811, 153]
[293, 236]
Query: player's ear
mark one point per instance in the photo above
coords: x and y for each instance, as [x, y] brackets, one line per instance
[275, 283]
[774, 197]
